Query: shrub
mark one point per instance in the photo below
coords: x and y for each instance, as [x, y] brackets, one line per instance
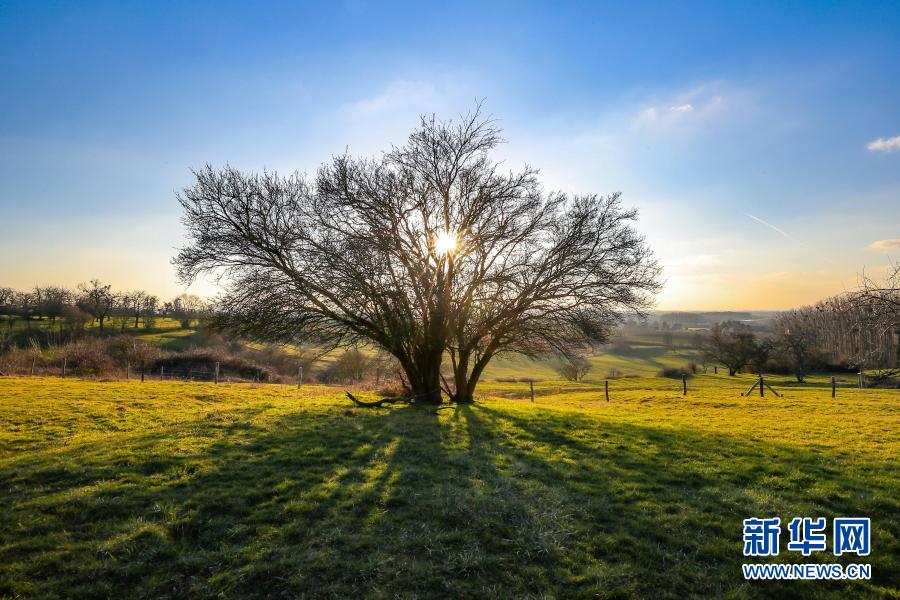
[202, 364]
[572, 368]
[688, 369]
[352, 365]
[88, 356]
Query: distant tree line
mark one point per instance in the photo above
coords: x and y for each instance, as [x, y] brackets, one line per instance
[855, 330]
[92, 305]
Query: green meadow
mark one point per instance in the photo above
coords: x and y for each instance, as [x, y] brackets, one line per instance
[170, 489]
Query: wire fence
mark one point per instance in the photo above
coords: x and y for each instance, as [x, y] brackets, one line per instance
[216, 374]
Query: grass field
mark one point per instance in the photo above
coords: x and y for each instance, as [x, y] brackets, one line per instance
[167, 489]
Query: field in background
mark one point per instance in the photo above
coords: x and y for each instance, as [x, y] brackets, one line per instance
[645, 357]
[241, 490]
[643, 354]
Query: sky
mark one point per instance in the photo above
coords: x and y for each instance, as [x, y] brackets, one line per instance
[759, 141]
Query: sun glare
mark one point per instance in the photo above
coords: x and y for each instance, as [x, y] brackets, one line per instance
[445, 243]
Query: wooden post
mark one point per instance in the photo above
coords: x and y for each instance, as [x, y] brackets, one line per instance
[64, 366]
[299, 376]
[127, 371]
[162, 372]
[33, 359]
[531, 384]
[216, 376]
[715, 370]
[862, 379]
[606, 389]
[684, 384]
[142, 373]
[832, 387]
[762, 385]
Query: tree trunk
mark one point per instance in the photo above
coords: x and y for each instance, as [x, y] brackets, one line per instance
[424, 375]
[467, 382]
[731, 371]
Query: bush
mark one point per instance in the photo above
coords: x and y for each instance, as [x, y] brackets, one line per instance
[89, 356]
[676, 372]
[572, 368]
[202, 364]
[352, 365]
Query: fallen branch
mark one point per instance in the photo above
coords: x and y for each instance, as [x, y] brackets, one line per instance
[376, 403]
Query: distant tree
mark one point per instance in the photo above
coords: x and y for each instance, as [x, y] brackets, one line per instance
[797, 342]
[876, 305]
[428, 251]
[733, 348]
[352, 365]
[9, 306]
[77, 319]
[148, 310]
[139, 304]
[51, 302]
[96, 299]
[762, 352]
[187, 308]
[572, 368]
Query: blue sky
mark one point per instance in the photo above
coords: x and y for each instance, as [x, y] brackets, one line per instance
[755, 138]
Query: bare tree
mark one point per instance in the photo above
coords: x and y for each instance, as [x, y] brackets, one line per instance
[731, 346]
[797, 341]
[96, 299]
[428, 250]
[352, 365]
[51, 302]
[572, 368]
[187, 308]
[139, 305]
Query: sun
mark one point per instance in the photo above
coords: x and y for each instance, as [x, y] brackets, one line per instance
[445, 243]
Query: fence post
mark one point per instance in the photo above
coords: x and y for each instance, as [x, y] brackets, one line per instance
[832, 387]
[684, 384]
[762, 385]
[531, 384]
[33, 359]
[162, 373]
[127, 371]
[64, 366]
[862, 379]
[299, 376]
[216, 380]
[142, 372]
[606, 389]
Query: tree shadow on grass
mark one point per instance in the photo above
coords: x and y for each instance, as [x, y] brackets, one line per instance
[476, 502]
[659, 511]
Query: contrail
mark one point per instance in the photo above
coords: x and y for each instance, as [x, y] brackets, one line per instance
[770, 226]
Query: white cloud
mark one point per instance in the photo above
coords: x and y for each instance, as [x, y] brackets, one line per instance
[397, 95]
[885, 144]
[692, 105]
[885, 244]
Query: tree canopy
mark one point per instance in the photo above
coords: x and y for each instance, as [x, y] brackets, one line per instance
[430, 250]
